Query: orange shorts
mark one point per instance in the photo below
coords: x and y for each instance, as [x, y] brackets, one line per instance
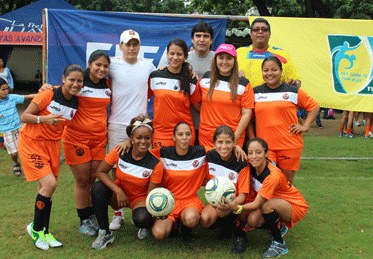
[181, 205]
[297, 214]
[83, 150]
[131, 199]
[39, 158]
[286, 159]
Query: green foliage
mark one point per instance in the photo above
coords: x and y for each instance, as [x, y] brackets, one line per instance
[356, 9]
[220, 7]
[7, 6]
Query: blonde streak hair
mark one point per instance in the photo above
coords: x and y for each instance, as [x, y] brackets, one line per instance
[234, 80]
[214, 78]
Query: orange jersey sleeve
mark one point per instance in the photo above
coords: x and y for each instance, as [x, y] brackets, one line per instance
[305, 101]
[157, 174]
[243, 183]
[112, 158]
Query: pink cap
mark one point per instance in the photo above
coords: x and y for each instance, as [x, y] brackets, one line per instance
[227, 48]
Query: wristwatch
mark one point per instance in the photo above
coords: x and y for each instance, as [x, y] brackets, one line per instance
[38, 120]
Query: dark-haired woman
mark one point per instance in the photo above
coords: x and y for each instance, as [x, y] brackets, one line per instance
[226, 98]
[84, 140]
[276, 105]
[277, 199]
[39, 147]
[137, 173]
[174, 91]
[6, 75]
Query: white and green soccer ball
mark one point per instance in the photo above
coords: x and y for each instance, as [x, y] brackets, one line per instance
[218, 188]
[160, 202]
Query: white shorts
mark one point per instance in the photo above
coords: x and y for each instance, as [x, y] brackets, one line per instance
[11, 141]
[116, 134]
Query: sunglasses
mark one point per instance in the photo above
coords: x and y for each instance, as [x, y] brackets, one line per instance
[260, 29]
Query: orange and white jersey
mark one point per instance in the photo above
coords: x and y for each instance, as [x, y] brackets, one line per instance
[51, 102]
[183, 175]
[90, 121]
[133, 175]
[171, 106]
[275, 110]
[236, 171]
[274, 184]
[222, 110]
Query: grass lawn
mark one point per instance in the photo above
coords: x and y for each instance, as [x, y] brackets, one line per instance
[338, 225]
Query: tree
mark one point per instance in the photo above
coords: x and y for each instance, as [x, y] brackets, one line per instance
[7, 6]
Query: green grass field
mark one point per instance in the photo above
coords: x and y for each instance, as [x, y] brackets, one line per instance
[339, 223]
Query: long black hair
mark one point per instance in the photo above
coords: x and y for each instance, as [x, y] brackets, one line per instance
[93, 57]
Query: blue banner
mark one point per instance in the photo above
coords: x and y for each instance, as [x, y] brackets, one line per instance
[73, 35]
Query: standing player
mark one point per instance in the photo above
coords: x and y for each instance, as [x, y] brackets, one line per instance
[129, 75]
[226, 98]
[10, 123]
[277, 199]
[250, 58]
[84, 139]
[222, 162]
[39, 147]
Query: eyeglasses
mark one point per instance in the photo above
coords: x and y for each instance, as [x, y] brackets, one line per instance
[260, 29]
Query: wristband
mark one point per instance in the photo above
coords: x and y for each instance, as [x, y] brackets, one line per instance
[38, 120]
[239, 210]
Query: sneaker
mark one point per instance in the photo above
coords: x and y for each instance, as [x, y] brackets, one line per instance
[366, 136]
[94, 223]
[320, 126]
[38, 237]
[143, 233]
[276, 249]
[117, 221]
[86, 228]
[239, 245]
[52, 241]
[370, 134]
[340, 134]
[356, 123]
[349, 136]
[364, 122]
[284, 229]
[103, 239]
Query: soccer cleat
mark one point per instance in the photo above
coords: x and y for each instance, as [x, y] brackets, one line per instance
[239, 245]
[349, 136]
[284, 229]
[38, 237]
[320, 126]
[143, 233]
[117, 221]
[52, 241]
[86, 228]
[370, 134]
[93, 221]
[340, 134]
[275, 250]
[103, 239]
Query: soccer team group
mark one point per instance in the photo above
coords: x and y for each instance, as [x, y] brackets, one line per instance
[205, 103]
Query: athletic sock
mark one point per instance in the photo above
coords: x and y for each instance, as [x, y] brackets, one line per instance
[185, 231]
[366, 130]
[348, 130]
[272, 221]
[85, 213]
[42, 215]
[48, 208]
[341, 129]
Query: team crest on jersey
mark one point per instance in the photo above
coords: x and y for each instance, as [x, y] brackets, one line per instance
[107, 92]
[80, 152]
[145, 174]
[351, 61]
[195, 163]
[231, 176]
[285, 96]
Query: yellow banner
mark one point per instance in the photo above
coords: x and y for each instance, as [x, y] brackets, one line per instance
[334, 57]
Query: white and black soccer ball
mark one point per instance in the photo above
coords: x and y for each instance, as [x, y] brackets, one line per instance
[218, 188]
[160, 202]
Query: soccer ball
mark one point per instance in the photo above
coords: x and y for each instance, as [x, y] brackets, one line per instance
[218, 188]
[160, 202]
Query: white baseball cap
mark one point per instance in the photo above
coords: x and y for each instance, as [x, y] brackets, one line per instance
[127, 35]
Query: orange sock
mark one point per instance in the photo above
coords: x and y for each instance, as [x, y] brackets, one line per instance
[370, 127]
[348, 131]
[366, 130]
[341, 129]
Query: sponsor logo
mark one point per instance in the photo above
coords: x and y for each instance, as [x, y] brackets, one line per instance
[231, 176]
[262, 97]
[351, 61]
[212, 169]
[87, 91]
[123, 166]
[161, 83]
[40, 205]
[172, 164]
[55, 108]
[131, 32]
[285, 96]
[195, 163]
[285, 157]
[108, 93]
[145, 174]
[79, 152]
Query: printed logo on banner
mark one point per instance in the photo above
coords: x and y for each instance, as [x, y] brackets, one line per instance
[352, 64]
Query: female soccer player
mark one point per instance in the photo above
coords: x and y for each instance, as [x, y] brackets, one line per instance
[174, 91]
[277, 198]
[39, 147]
[84, 140]
[222, 162]
[138, 172]
[184, 172]
[276, 105]
[226, 98]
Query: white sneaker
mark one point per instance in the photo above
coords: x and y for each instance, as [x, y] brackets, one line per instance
[52, 241]
[103, 239]
[356, 123]
[38, 237]
[143, 233]
[370, 134]
[117, 221]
